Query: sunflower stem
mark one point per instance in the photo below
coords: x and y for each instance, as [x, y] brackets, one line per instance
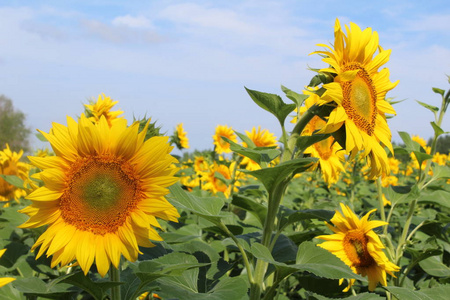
[380, 201]
[114, 276]
[241, 249]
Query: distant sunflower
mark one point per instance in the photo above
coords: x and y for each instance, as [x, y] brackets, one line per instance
[10, 164]
[328, 152]
[221, 146]
[103, 108]
[358, 246]
[261, 138]
[358, 92]
[215, 184]
[179, 137]
[102, 192]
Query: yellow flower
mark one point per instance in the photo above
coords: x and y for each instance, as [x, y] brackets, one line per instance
[220, 145]
[180, 137]
[328, 152]
[5, 280]
[394, 165]
[389, 180]
[261, 138]
[386, 201]
[215, 184]
[102, 192]
[358, 246]
[440, 159]
[101, 108]
[358, 92]
[10, 165]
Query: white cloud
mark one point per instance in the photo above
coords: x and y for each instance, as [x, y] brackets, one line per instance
[133, 22]
[120, 34]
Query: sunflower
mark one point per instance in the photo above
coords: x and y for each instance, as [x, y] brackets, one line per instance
[179, 137]
[328, 152]
[101, 108]
[358, 93]
[215, 184]
[220, 145]
[10, 165]
[102, 192]
[358, 246]
[261, 138]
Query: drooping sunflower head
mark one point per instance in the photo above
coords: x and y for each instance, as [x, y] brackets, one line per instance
[220, 145]
[102, 193]
[103, 106]
[10, 164]
[359, 92]
[358, 246]
[179, 137]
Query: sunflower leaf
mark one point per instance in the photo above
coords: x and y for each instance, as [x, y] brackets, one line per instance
[272, 103]
[304, 142]
[206, 207]
[432, 108]
[310, 258]
[437, 130]
[271, 177]
[435, 293]
[257, 154]
[253, 207]
[294, 96]
[13, 180]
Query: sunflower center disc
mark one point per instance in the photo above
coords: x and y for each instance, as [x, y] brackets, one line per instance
[360, 100]
[100, 195]
[355, 246]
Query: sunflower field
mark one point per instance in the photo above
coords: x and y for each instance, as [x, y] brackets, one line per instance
[331, 209]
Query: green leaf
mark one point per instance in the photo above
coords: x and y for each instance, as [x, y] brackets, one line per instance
[441, 171]
[228, 288]
[246, 140]
[206, 207]
[273, 176]
[438, 91]
[304, 142]
[95, 289]
[291, 216]
[272, 103]
[410, 145]
[13, 180]
[434, 266]
[437, 130]
[294, 96]
[255, 208]
[432, 108]
[310, 258]
[435, 293]
[259, 154]
[37, 287]
[362, 296]
[439, 197]
[322, 263]
[421, 157]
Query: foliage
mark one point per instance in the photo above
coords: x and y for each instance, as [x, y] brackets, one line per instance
[13, 128]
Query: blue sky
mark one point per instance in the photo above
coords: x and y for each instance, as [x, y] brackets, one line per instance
[188, 61]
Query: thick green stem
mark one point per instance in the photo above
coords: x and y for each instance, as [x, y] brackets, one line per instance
[380, 200]
[114, 276]
[269, 223]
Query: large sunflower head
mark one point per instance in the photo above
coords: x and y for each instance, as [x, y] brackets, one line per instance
[358, 246]
[102, 192]
[10, 164]
[220, 145]
[358, 93]
[103, 106]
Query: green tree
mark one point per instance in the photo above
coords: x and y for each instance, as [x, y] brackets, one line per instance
[13, 130]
